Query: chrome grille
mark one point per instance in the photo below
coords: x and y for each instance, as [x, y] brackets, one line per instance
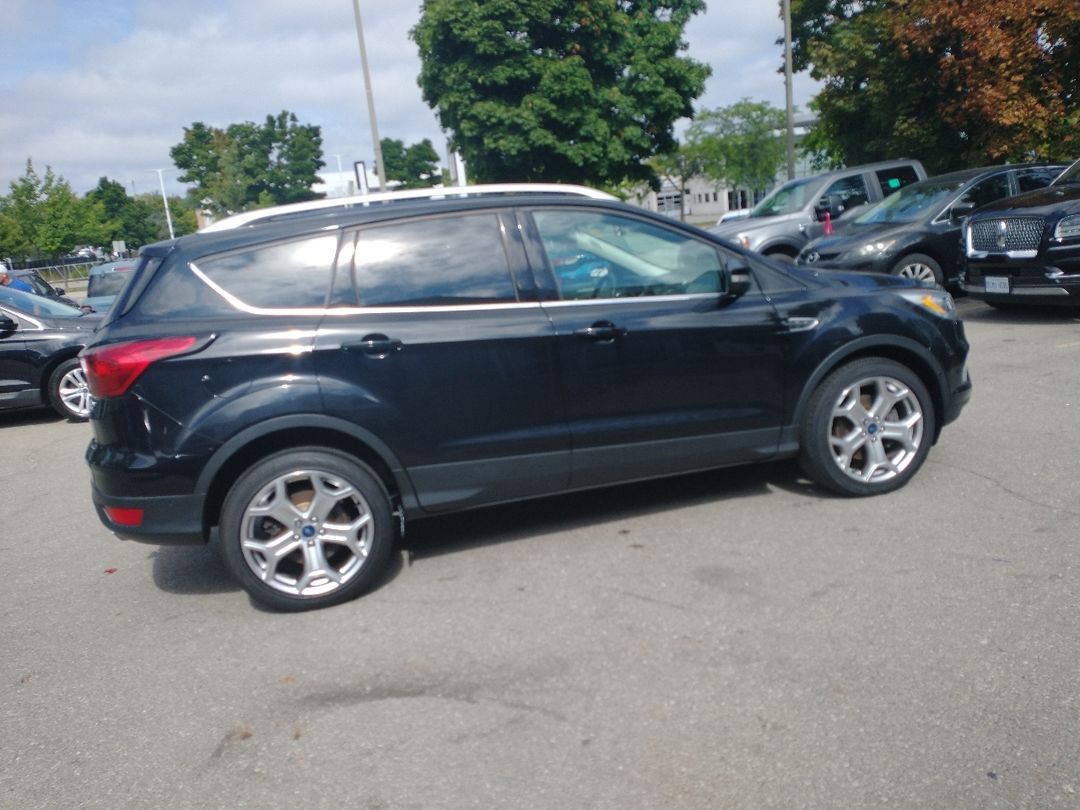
[1006, 234]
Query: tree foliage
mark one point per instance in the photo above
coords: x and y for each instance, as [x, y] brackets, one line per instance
[42, 217]
[741, 145]
[250, 165]
[559, 90]
[415, 166]
[954, 84]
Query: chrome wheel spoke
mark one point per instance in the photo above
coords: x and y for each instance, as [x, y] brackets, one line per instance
[902, 431]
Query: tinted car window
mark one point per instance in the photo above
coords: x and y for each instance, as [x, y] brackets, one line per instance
[451, 260]
[291, 274]
[595, 255]
[988, 190]
[850, 190]
[1033, 179]
[895, 179]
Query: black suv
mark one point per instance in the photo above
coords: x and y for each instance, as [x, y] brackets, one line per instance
[310, 382]
[1026, 249]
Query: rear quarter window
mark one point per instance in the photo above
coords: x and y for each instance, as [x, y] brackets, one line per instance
[896, 178]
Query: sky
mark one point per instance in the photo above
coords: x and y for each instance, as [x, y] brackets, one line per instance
[95, 88]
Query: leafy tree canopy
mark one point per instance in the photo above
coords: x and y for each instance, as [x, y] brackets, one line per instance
[741, 145]
[954, 84]
[559, 90]
[416, 166]
[250, 165]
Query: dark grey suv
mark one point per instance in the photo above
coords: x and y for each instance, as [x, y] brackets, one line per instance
[307, 380]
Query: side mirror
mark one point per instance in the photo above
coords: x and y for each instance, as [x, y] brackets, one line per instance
[58, 290]
[738, 284]
[7, 325]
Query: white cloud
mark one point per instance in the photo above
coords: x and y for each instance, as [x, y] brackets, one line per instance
[134, 73]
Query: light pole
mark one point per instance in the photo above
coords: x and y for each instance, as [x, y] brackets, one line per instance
[164, 199]
[787, 92]
[370, 99]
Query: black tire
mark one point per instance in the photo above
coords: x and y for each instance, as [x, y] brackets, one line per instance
[781, 257]
[867, 428]
[283, 488]
[919, 266]
[69, 394]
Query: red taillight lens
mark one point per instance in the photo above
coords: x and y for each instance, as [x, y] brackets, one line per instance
[111, 369]
[124, 516]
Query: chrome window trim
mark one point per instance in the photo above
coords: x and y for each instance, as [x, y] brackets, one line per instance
[36, 325]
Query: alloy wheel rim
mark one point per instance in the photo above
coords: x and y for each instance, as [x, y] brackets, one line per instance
[307, 533]
[918, 271]
[74, 393]
[875, 429]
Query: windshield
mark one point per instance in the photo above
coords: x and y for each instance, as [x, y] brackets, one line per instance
[910, 202]
[107, 283]
[789, 198]
[38, 305]
[1070, 175]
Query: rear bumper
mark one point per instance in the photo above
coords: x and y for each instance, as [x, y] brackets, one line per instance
[166, 519]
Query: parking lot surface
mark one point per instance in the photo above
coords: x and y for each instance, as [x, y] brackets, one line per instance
[732, 639]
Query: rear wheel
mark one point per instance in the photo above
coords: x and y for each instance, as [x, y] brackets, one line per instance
[307, 528]
[69, 395]
[867, 428]
[920, 268]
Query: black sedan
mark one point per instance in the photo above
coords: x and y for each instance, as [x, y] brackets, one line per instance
[916, 231]
[40, 339]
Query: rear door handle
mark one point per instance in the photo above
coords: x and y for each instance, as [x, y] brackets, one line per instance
[374, 346]
[601, 331]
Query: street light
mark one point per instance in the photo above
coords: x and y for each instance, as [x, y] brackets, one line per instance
[788, 92]
[379, 168]
[164, 199]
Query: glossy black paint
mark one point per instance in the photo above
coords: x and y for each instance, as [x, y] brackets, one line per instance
[33, 344]
[1050, 278]
[460, 406]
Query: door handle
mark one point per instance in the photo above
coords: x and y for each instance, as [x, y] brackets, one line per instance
[374, 346]
[601, 331]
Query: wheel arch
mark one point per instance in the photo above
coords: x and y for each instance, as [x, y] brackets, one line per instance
[284, 433]
[906, 352]
[49, 369]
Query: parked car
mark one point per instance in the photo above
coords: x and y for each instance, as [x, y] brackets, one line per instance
[1026, 249]
[43, 287]
[782, 223]
[311, 384]
[916, 231]
[40, 339]
[105, 281]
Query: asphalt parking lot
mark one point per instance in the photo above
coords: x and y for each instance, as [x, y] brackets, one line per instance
[736, 639]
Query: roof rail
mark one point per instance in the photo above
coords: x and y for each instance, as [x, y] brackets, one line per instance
[493, 189]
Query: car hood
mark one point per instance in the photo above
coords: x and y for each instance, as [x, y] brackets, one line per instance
[854, 235]
[866, 282]
[730, 230]
[1041, 201]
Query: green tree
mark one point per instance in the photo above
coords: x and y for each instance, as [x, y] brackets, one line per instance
[559, 90]
[954, 84]
[122, 217]
[42, 216]
[677, 168]
[416, 166]
[250, 165]
[740, 146]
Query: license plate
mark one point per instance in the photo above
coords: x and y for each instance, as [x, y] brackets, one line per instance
[996, 284]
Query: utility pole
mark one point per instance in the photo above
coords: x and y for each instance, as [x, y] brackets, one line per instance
[787, 91]
[379, 168]
[164, 199]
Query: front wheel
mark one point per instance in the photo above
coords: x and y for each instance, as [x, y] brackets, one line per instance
[867, 428]
[919, 267]
[307, 528]
[69, 394]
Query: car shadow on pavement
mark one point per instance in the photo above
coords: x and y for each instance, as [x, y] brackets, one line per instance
[200, 570]
[518, 521]
[1019, 314]
[29, 416]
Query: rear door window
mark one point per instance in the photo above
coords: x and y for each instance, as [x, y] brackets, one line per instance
[430, 262]
[896, 178]
[1034, 179]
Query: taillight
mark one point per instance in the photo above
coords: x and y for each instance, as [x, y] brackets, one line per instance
[111, 369]
[125, 516]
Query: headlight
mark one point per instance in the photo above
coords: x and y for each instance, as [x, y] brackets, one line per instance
[1068, 227]
[937, 301]
[875, 248]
